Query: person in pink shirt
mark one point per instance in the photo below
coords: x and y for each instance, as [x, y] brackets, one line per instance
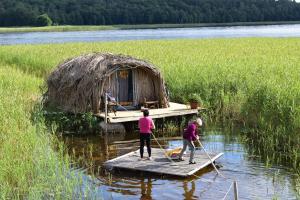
[145, 125]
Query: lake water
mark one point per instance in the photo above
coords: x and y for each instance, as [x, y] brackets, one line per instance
[255, 180]
[150, 34]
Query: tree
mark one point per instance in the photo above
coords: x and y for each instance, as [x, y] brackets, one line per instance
[85, 12]
[43, 20]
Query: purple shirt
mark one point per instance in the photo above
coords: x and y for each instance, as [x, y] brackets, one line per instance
[190, 133]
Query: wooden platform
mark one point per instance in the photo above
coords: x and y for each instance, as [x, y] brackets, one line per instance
[160, 164]
[175, 109]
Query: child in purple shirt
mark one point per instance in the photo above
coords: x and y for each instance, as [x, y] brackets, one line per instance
[145, 125]
[189, 136]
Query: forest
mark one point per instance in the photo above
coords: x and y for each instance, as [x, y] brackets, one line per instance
[107, 12]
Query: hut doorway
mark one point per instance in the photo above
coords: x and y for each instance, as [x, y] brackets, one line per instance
[125, 87]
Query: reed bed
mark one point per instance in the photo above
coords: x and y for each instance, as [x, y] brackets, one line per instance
[251, 81]
[33, 163]
[64, 28]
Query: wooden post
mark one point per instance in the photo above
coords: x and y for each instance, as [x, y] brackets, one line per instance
[235, 189]
[105, 102]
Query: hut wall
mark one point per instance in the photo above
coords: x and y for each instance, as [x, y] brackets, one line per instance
[145, 86]
[111, 85]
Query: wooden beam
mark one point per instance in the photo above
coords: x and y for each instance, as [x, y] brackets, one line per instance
[128, 119]
[206, 164]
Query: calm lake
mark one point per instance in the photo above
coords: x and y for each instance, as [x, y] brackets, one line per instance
[255, 179]
[149, 34]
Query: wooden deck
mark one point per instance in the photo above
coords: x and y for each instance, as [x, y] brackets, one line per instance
[175, 109]
[160, 164]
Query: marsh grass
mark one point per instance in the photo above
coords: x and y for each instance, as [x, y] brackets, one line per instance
[54, 29]
[237, 79]
[34, 165]
[253, 82]
[80, 124]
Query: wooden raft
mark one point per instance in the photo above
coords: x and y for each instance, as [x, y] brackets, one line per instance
[161, 164]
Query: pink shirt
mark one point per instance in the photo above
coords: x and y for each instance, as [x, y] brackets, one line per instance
[146, 124]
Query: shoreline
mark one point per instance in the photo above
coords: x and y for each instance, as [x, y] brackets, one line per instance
[69, 28]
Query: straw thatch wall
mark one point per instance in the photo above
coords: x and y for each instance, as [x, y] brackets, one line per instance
[77, 84]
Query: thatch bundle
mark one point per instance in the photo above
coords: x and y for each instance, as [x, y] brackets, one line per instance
[78, 84]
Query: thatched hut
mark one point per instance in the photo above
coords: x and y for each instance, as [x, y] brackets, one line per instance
[79, 84]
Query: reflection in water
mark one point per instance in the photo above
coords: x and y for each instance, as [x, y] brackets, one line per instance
[105, 144]
[189, 193]
[146, 189]
[255, 180]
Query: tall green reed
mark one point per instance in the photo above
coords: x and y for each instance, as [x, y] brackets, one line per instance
[250, 81]
[34, 165]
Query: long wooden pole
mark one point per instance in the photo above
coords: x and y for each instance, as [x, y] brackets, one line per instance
[105, 102]
[212, 162]
[170, 159]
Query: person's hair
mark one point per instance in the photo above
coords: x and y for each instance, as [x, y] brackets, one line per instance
[146, 113]
[198, 121]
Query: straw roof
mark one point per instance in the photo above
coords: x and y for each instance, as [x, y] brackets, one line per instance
[77, 84]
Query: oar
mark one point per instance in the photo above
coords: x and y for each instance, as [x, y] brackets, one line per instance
[212, 162]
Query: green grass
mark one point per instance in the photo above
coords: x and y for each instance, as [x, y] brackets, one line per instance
[251, 81]
[33, 163]
[54, 29]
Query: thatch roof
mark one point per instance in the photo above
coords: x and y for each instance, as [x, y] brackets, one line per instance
[77, 84]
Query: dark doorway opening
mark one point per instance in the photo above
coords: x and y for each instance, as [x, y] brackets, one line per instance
[125, 87]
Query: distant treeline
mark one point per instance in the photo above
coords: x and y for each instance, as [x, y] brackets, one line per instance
[106, 12]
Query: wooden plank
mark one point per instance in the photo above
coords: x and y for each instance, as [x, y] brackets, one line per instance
[153, 116]
[175, 109]
[160, 164]
[123, 114]
[206, 164]
[120, 157]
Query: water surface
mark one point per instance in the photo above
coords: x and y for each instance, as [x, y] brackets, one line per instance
[255, 180]
[146, 34]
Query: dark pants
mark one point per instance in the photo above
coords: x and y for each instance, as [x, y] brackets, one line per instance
[144, 137]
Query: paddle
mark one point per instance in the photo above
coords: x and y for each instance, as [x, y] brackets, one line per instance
[212, 162]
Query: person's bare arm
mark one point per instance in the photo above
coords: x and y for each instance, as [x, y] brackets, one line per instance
[152, 125]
